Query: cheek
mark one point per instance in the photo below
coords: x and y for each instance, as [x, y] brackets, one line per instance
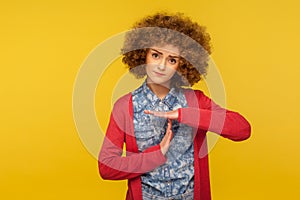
[172, 70]
[148, 68]
[174, 67]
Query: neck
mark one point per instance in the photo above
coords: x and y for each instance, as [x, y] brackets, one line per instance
[159, 90]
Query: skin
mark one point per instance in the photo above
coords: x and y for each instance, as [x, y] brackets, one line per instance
[162, 63]
[165, 142]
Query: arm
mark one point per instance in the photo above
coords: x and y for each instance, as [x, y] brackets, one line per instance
[111, 163]
[207, 115]
[211, 117]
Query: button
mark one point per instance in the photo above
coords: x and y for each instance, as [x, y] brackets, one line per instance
[161, 103]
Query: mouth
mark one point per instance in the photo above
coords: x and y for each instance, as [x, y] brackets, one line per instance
[158, 74]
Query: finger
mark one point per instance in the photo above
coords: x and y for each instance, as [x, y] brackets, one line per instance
[155, 113]
[159, 114]
[169, 137]
[170, 134]
[148, 112]
[169, 124]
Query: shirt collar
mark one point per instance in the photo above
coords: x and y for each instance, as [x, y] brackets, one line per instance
[169, 99]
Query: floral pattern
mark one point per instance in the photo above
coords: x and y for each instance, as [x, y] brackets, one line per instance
[176, 176]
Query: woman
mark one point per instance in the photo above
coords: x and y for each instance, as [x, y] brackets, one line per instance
[163, 124]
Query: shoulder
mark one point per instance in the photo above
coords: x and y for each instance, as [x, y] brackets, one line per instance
[123, 100]
[192, 93]
[197, 98]
[122, 109]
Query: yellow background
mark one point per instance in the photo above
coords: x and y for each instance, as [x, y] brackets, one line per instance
[43, 44]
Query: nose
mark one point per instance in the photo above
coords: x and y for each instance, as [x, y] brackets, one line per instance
[162, 64]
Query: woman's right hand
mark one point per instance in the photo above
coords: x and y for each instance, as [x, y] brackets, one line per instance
[165, 143]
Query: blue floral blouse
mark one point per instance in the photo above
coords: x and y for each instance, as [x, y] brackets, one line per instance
[176, 176]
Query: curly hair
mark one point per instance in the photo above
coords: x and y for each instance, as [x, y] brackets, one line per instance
[169, 29]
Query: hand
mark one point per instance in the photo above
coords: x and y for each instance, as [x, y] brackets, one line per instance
[165, 143]
[169, 115]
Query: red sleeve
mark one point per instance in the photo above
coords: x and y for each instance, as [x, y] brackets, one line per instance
[207, 115]
[114, 166]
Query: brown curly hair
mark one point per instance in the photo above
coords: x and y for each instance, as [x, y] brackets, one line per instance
[162, 29]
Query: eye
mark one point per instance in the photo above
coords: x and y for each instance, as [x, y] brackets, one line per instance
[155, 55]
[173, 61]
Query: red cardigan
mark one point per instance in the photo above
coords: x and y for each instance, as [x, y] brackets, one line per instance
[202, 114]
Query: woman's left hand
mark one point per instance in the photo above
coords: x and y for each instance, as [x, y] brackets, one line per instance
[168, 115]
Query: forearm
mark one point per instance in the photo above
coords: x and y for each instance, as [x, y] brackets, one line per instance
[227, 123]
[113, 166]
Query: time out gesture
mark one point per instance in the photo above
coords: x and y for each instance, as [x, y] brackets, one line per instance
[168, 115]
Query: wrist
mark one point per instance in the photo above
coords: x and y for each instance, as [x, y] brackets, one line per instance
[162, 149]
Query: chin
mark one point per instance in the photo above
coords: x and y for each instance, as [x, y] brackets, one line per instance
[159, 81]
[166, 84]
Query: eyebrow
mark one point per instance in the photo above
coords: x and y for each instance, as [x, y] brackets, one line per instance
[162, 53]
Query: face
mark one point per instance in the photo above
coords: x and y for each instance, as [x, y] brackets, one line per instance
[162, 63]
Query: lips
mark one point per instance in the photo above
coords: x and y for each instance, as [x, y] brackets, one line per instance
[158, 74]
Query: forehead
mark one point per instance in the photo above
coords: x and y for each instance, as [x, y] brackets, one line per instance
[167, 49]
